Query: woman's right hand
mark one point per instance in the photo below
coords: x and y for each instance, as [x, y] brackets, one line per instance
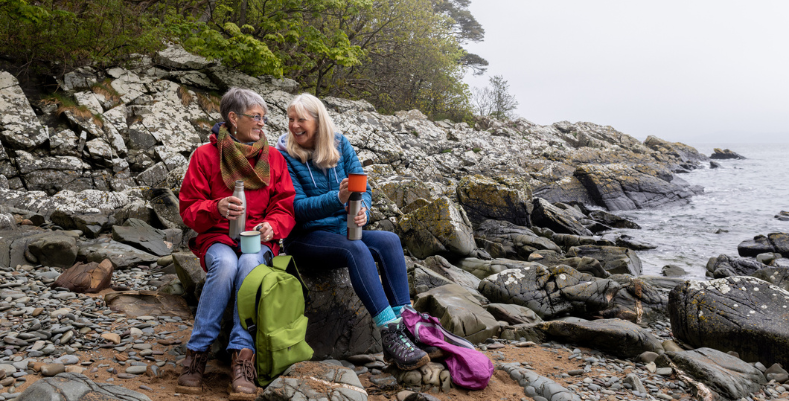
[345, 194]
[230, 207]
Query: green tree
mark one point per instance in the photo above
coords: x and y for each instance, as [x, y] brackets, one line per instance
[495, 99]
[465, 28]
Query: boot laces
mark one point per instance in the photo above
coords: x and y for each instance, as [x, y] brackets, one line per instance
[247, 369]
[198, 360]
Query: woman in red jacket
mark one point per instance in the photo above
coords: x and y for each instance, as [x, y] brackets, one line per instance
[238, 151]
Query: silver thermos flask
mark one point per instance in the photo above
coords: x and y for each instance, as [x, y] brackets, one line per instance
[354, 205]
[238, 225]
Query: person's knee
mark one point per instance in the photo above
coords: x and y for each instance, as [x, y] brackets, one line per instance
[247, 262]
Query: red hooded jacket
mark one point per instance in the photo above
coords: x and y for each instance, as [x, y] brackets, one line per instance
[203, 188]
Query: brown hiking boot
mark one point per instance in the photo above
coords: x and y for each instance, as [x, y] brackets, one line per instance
[193, 367]
[244, 373]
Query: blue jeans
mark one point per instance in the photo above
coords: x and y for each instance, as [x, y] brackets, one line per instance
[226, 272]
[329, 250]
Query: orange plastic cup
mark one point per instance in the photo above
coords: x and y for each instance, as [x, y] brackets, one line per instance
[357, 182]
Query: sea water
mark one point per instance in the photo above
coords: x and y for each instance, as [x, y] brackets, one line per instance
[740, 201]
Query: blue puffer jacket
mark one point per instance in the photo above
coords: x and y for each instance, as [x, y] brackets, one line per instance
[317, 204]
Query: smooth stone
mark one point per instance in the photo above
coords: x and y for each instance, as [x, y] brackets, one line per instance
[51, 369]
[136, 370]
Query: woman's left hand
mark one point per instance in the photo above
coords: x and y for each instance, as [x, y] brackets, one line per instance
[266, 232]
[361, 217]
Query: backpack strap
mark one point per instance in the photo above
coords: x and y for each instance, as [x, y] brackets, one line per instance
[288, 265]
[248, 295]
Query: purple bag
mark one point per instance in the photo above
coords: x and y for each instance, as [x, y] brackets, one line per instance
[469, 368]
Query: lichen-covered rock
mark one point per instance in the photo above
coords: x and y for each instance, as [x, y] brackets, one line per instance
[439, 228]
[499, 198]
[729, 377]
[174, 56]
[459, 312]
[560, 221]
[638, 302]
[19, 127]
[549, 291]
[615, 260]
[502, 239]
[683, 153]
[778, 276]
[404, 191]
[141, 235]
[315, 381]
[741, 314]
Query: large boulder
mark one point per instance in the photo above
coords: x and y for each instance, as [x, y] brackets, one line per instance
[618, 337]
[729, 377]
[615, 260]
[122, 256]
[483, 268]
[502, 239]
[19, 126]
[452, 273]
[439, 228]
[558, 220]
[513, 314]
[774, 242]
[550, 291]
[459, 312]
[778, 276]
[683, 153]
[422, 279]
[339, 324]
[140, 235]
[497, 198]
[726, 266]
[57, 250]
[741, 314]
[404, 191]
[165, 206]
[621, 187]
[638, 302]
[174, 56]
[91, 225]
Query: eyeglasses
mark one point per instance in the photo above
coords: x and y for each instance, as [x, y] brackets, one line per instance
[257, 117]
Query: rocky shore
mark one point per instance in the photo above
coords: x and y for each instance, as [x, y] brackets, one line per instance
[504, 226]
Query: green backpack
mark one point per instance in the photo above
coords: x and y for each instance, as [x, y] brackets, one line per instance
[271, 308]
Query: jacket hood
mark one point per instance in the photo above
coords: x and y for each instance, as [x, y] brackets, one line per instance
[282, 143]
[214, 133]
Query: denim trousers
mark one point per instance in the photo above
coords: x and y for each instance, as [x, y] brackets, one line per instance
[226, 272]
[326, 250]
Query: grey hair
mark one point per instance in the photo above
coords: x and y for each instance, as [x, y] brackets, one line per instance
[239, 100]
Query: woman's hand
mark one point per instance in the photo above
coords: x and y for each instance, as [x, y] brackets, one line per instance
[230, 207]
[361, 217]
[266, 232]
[344, 193]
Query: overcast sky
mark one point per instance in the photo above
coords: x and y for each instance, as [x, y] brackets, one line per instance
[691, 71]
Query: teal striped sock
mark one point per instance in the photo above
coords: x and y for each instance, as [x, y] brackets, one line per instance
[398, 310]
[385, 317]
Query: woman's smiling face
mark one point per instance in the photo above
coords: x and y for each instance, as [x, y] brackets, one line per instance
[247, 128]
[303, 128]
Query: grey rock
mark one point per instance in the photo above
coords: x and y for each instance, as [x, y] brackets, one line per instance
[513, 314]
[56, 250]
[459, 312]
[439, 228]
[727, 266]
[316, 380]
[71, 386]
[615, 260]
[558, 220]
[733, 313]
[454, 274]
[673, 271]
[618, 337]
[637, 301]
[549, 291]
[778, 276]
[174, 56]
[719, 154]
[502, 198]
[165, 205]
[19, 127]
[52, 369]
[140, 235]
[728, 376]
[122, 256]
[190, 273]
[502, 239]
[339, 325]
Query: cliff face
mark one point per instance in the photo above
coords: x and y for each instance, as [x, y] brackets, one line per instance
[136, 127]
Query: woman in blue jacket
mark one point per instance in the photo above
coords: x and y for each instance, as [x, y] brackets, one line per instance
[319, 161]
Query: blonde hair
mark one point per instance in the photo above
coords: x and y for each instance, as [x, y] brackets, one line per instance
[325, 154]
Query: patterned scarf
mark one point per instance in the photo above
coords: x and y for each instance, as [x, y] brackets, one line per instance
[234, 165]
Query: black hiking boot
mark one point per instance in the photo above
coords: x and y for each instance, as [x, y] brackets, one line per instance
[433, 352]
[400, 350]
